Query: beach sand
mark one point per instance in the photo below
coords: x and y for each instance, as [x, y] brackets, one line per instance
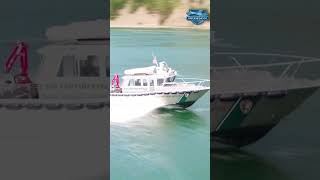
[142, 18]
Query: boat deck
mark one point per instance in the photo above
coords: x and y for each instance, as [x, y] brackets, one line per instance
[272, 73]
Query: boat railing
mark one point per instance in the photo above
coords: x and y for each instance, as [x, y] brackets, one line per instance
[188, 81]
[278, 65]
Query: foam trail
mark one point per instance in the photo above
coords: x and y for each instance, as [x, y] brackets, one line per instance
[125, 109]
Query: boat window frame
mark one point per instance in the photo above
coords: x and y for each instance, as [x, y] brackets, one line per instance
[91, 63]
[170, 79]
[144, 82]
[61, 73]
[160, 84]
[131, 82]
[151, 84]
[137, 80]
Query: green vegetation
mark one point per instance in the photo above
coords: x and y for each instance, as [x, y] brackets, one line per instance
[163, 7]
[116, 5]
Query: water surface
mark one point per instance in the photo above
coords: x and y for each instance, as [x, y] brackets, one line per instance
[166, 143]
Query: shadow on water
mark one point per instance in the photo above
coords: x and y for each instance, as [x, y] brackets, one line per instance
[232, 163]
[173, 116]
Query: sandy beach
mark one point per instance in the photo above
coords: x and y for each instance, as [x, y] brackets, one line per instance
[142, 18]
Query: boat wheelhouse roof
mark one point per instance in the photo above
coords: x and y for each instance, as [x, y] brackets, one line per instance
[75, 46]
[79, 31]
[162, 70]
[151, 70]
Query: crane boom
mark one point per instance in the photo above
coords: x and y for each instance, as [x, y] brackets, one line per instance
[21, 50]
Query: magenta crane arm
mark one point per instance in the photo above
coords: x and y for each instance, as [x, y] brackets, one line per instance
[21, 50]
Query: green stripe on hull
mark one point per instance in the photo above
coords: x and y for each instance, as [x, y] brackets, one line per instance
[239, 111]
[184, 98]
[185, 104]
[184, 101]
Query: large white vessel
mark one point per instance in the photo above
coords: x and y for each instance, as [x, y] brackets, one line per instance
[156, 86]
[61, 109]
[72, 72]
[254, 95]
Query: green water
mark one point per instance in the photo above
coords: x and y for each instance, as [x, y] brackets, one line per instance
[166, 143]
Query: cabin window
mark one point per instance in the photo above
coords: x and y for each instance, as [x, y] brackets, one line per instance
[89, 67]
[145, 83]
[137, 82]
[68, 67]
[151, 82]
[131, 82]
[160, 82]
[170, 79]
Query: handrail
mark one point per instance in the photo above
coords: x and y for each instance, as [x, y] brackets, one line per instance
[165, 89]
[199, 82]
[265, 54]
[288, 65]
[266, 65]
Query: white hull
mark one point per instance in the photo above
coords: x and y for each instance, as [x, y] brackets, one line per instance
[124, 105]
[157, 99]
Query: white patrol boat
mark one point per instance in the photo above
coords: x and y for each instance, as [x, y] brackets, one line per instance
[154, 87]
[251, 98]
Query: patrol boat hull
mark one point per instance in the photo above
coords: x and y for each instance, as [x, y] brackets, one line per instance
[235, 127]
[154, 100]
[249, 100]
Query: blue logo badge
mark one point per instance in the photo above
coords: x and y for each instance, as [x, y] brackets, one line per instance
[197, 16]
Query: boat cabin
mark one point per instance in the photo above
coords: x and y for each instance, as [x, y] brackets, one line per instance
[147, 79]
[75, 62]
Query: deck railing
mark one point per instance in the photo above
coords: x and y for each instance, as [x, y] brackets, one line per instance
[251, 71]
[188, 81]
[285, 65]
[179, 85]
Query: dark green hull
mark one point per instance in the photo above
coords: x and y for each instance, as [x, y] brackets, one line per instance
[242, 120]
